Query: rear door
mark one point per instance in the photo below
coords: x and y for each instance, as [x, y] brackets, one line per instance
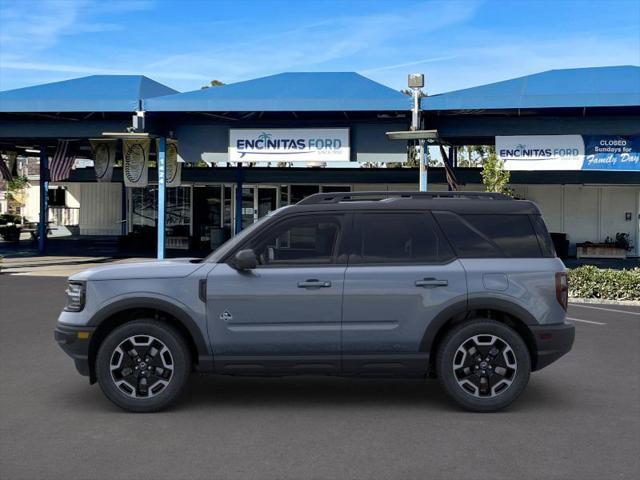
[401, 274]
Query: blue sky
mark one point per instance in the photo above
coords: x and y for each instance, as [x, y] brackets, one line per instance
[184, 44]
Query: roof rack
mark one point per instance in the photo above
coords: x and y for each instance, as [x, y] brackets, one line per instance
[319, 198]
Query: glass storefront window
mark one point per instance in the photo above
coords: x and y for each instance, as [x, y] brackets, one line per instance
[298, 192]
[144, 214]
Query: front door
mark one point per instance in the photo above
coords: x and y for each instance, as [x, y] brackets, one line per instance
[402, 273]
[283, 316]
[257, 202]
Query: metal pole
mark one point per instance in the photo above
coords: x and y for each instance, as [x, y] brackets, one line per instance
[423, 165]
[162, 183]
[420, 148]
[239, 180]
[44, 200]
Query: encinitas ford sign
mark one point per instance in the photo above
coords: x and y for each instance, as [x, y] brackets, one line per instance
[541, 152]
[289, 145]
[569, 152]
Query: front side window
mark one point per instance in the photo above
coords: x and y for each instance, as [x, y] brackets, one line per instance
[401, 238]
[303, 240]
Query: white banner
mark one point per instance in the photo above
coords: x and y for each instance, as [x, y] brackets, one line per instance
[289, 145]
[541, 152]
[136, 162]
[104, 157]
[173, 167]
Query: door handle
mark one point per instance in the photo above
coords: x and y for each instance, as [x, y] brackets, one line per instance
[313, 283]
[431, 283]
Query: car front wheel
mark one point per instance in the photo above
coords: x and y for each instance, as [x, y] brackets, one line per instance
[142, 366]
[483, 365]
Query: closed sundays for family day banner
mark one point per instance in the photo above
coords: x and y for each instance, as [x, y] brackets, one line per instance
[569, 152]
[289, 145]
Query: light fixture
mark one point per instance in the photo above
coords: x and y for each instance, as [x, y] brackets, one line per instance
[430, 136]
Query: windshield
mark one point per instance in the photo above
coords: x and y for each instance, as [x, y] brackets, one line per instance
[230, 244]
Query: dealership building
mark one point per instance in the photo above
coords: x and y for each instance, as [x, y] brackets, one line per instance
[571, 139]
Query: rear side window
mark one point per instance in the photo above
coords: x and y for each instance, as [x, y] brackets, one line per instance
[544, 239]
[402, 237]
[484, 236]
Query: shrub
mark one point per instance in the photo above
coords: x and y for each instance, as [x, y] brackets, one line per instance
[588, 281]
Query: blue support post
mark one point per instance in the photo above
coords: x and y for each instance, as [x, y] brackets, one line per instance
[239, 179]
[162, 183]
[44, 200]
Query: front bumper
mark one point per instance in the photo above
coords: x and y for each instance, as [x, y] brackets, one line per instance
[552, 342]
[75, 343]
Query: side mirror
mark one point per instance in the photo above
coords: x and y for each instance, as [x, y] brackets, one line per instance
[245, 260]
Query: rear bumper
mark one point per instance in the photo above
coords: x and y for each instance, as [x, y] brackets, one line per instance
[75, 345]
[552, 342]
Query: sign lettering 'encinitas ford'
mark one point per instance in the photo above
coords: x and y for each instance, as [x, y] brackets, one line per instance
[541, 152]
[289, 145]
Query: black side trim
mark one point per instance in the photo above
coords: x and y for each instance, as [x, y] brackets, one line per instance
[202, 290]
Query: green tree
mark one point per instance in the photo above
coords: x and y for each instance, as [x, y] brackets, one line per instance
[494, 177]
[213, 83]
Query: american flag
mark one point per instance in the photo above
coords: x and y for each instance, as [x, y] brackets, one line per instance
[452, 181]
[62, 161]
[5, 172]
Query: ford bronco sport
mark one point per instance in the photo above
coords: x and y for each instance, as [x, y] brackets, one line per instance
[461, 286]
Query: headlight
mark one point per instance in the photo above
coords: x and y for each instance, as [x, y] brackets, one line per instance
[75, 296]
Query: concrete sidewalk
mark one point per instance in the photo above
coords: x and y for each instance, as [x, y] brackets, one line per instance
[57, 266]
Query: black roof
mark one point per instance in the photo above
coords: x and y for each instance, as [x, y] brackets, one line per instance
[458, 202]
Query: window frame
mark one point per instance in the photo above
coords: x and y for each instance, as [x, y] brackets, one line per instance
[357, 235]
[344, 224]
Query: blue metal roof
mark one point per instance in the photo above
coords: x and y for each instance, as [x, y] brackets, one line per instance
[288, 92]
[576, 87]
[96, 93]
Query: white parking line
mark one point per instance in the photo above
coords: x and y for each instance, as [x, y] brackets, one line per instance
[582, 305]
[585, 321]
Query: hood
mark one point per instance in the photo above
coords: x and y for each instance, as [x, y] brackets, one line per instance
[177, 268]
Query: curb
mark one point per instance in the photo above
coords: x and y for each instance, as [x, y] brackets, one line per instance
[602, 301]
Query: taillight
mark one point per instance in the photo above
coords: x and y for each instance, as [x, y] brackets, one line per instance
[562, 289]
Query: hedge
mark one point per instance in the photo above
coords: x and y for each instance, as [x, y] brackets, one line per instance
[588, 281]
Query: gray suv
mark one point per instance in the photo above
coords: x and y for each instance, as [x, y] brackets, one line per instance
[464, 287]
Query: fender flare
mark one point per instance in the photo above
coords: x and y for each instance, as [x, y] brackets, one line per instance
[157, 304]
[463, 307]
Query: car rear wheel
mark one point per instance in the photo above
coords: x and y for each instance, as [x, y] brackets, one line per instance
[142, 366]
[483, 365]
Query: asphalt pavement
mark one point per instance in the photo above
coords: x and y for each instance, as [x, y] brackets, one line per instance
[578, 419]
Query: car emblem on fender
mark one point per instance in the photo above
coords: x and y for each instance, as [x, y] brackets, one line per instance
[226, 316]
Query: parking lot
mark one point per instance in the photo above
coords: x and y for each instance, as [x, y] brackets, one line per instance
[578, 418]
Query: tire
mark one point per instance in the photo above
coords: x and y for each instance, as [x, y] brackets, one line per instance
[148, 346]
[461, 373]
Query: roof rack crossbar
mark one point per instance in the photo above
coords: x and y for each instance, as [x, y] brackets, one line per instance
[319, 198]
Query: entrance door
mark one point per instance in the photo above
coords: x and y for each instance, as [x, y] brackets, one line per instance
[257, 202]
